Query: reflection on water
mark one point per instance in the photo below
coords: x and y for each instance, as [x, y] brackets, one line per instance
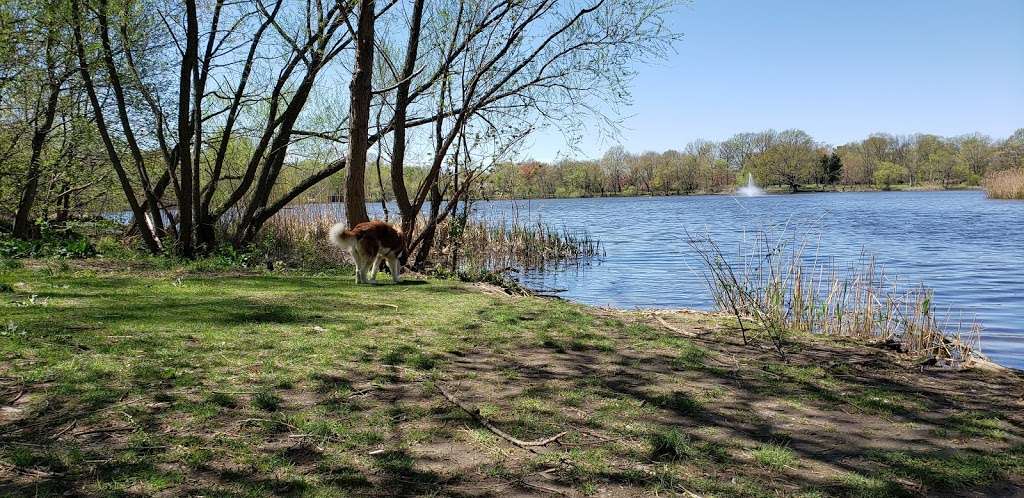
[969, 249]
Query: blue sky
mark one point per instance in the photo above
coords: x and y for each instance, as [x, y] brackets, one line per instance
[839, 70]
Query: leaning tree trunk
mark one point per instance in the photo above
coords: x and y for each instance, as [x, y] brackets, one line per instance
[360, 92]
[23, 216]
[149, 237]
[405, 208]
[22, 219]
[427, 238]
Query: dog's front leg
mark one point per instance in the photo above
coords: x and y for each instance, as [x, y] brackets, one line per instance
[373, 269]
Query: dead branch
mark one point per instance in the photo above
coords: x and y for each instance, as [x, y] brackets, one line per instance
[102, 430]
[58, 434]
[475, 413]
[28, 471]
[672, 328]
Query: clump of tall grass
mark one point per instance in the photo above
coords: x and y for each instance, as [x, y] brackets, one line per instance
[774, 288]
[1006, 184]
[462, 243]
[301, 240]
[503, 243]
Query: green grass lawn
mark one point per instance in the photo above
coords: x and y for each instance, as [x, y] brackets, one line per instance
[138, 381]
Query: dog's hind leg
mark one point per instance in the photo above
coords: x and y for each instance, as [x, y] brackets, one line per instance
[360, 261]
[396, 269]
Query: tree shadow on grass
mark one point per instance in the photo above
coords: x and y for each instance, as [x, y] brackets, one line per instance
[854, 423]
[886, 421]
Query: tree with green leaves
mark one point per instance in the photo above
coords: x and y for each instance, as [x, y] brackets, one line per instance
[790, 160]
[831, 168]
[887, 174]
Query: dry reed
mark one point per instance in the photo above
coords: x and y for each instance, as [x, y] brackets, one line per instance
[1006, 184]
[300, 236]
[501, 244]
[774, 286]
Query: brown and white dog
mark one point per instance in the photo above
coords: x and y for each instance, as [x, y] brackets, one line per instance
[370, 243]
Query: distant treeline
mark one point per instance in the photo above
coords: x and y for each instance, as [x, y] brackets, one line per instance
[790, 159]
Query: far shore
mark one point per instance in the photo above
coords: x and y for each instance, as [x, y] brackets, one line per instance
[770, 190]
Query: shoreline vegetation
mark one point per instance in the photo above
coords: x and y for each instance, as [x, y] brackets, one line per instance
[1008, 184]
[149, 377]
[780, 161]
[777, 285]
[465, 246]
[768, 190]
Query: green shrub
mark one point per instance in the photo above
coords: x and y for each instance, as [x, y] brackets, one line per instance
[111, 247]
[9, 264]
[61, 242]
[888, 174]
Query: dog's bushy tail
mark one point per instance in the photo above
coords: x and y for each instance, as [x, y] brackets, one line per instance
[334, 235]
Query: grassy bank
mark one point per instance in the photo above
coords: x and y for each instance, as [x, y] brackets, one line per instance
[138, 380]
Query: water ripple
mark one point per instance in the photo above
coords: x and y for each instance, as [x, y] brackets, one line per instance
[969, 249]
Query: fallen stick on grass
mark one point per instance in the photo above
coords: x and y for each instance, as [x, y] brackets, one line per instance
[28, 471]
[673, 329]
[103, 430]
[475, 413]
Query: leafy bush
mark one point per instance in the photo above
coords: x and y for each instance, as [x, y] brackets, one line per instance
[9, 264]
[889, 173]
[114, 248]
[62, 242]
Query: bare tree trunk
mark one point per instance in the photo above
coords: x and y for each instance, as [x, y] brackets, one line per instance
[427, 238]
[64, 212]
[145, 229]
[205, 236]
[401, 108]
[22, 219]
[360, 93]
[186, 208]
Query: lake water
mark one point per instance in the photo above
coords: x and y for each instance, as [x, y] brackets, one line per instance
[969, 249]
